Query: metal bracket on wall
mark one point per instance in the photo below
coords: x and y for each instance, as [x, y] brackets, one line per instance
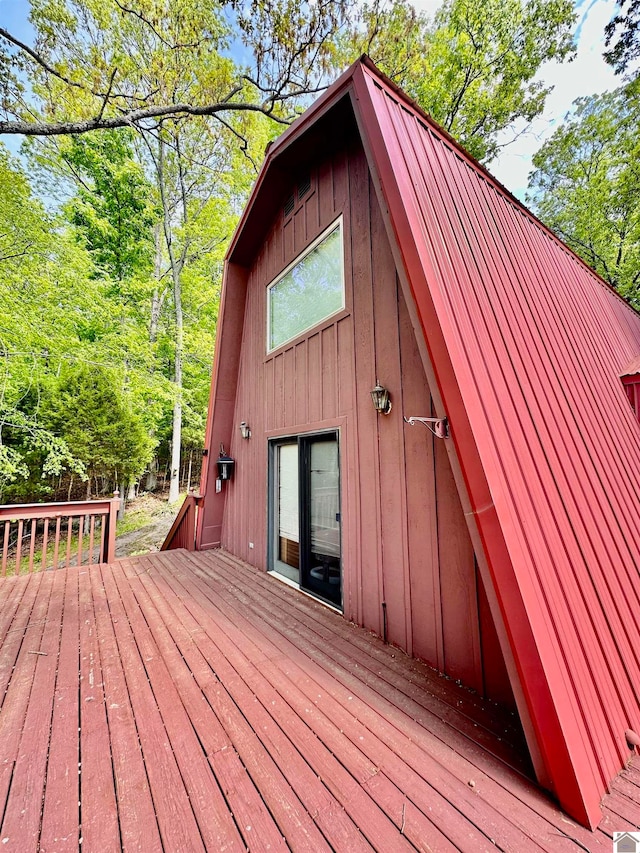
[438, 426]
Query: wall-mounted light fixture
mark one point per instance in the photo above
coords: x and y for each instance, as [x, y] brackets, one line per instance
[381, 399]
[225, 465]
[438, 426]
[245, 430]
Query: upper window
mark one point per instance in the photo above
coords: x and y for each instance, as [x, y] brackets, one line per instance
[308, 291]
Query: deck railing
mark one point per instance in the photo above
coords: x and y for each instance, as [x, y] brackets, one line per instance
[183, 530]
[36, 537]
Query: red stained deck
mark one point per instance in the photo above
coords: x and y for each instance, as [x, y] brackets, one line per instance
[185, 702]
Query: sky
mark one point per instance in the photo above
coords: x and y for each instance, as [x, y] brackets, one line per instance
[586, 75]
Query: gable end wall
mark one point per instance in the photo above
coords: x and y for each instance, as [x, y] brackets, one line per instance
[404, 536]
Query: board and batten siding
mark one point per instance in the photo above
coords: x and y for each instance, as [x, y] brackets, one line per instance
[404, 535]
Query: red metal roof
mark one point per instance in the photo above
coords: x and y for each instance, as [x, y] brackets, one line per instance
[527, 346]
[632, 368]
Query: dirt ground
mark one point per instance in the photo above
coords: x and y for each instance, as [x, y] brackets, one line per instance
[151, 517]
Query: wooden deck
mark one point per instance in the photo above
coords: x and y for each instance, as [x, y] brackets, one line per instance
[184, 702]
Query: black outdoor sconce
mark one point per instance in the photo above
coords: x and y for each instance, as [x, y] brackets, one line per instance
[225, 465]
[381, 399]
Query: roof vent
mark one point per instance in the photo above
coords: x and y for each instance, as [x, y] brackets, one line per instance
[304, 186]
[289, 205]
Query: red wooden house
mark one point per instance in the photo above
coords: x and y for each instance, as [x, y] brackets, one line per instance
[498, 538]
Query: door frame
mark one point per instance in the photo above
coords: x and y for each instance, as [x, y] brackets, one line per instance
[273, 442]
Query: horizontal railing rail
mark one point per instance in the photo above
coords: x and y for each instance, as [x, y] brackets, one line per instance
[183, 529]
[37, 537]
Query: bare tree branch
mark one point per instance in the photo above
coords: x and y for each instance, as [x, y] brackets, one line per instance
[286, 60]
[40, 60]
[106, 97]
[132, 117]
[20, 254]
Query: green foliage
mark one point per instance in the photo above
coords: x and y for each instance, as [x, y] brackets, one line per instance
[586, 186]
[112, 57]
[88, 410]
[39, 317]
[57, 316]
[113, 207]
[472, 68]
[626, 27]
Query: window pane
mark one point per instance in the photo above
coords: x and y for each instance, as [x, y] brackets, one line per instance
[311, 291]
[325, 498]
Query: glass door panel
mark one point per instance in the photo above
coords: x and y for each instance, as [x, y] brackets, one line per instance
[321, 564]
[287, 539]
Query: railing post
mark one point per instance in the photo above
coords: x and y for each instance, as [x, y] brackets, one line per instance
[110, 537]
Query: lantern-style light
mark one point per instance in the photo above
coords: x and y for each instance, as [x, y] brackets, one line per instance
[225, 465]
[381, 399]
[245, 430]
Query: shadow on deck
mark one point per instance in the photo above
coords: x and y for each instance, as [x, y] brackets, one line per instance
[185, 702]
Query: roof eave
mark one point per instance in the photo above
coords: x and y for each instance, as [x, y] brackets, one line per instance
[277, 149]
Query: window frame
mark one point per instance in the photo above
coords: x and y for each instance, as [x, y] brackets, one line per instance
[631, 385]
[337, 224]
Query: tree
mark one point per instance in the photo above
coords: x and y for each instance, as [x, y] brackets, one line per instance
[86, 408]
[473, 67]
[626, 26]
[95, 66]
[62, 313]
[39, 267]
[586, 187]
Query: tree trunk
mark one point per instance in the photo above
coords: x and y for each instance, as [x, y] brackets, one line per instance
[176, 436]
[158, 298]
[85, 526]
[123, 501]
[174, 483]
[176, 263]
[151, 483]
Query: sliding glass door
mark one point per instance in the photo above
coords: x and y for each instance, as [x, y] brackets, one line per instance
[304, 513]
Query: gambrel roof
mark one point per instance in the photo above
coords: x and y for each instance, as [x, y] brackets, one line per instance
[526, 345]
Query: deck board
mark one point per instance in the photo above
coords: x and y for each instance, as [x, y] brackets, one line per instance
[136, 812]
[189, 702]
[98, 810]
[282, 802]
[452, 770]
[333, 821]
[444, 693]
[22, 815]
[60, 821]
